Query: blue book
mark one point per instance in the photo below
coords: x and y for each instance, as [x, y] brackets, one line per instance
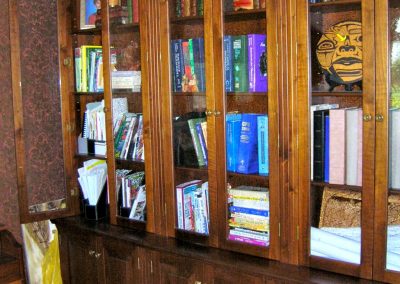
[248, 149]
[177, 64]
[228, 63]
[233, 127]
[257, 62]
[198, 53]
[262, 135]
[326, 149]
[251, 211]
[202, 141]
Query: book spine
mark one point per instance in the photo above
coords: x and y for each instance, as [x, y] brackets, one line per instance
[260, 63]
[263, 149]
[261, 236]
[248, 156]
[360, 147]
[228, 64]
[337, 146]
[243, 4]
[193, 7]
[197, 62]
[199, 132]
[193, 82]
[250, 211]
[130, 10]
[319, 134]
[78, 69]
[196, 142]
[326, 147]
[187, 72]
[179, 207]
[201, 79]
[249, 241]
[251, 62]
[178, 8]
[177, 64]
[186, 8]
[200, 7]
[84, 69]
[262, 4]
[228, 5]
[240, 63]
[136, 14]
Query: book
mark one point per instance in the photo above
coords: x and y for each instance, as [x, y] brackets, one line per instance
[177, 64]
[202, 141]
[228, 5]
[352, 135]
[228, 63]
[195, 138]
[233, 128]
[312, 109]
[243, 4]
[394, 151]
[139, 205]
[188, 82]
[251, 211]
[78, 68]
[248, 154]
[240, 72]
[263, 149]
[204, 128]
[319, 145]
[188, 217]
[337, 146]
[178, 8]
[199, 60]
[257, 62]
[326, 147]
[136, 12]
[200, 7]
[247, 240]
[85, 63]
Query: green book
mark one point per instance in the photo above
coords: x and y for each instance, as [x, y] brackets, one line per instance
[240, 72]
[196, 142]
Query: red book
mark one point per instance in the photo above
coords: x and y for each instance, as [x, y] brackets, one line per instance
[243, 4]
[135, 7]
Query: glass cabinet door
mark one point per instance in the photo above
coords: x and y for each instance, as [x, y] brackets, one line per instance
[122, 51]
[242, 124]
[340, 121]
[186, 94]
[387, 216]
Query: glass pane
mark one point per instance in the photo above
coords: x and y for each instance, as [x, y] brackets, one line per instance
[393, 233]
[247, 166]
[127, 110]
[41, 99]
[336, 130]
[189, 119]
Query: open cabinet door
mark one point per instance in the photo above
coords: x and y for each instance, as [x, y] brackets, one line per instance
[41, 64]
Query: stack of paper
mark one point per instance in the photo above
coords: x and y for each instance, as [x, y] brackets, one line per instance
[92, 178]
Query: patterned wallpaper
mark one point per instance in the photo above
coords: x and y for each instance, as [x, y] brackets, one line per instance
[9, 211]
[41, 100]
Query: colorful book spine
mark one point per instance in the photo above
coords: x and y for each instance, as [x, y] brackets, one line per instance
[250, 211]
[243, 5]
[247, 240]
[240, 63]
[326, 147]
[78, 69]
[319, 145]
[337, 146]
[233, 128]
[248, 150]
[204, 151]
[187, 80]
[198, 54]
[228, 64]
[177, 64]
[136, 12]
[178, 8]
[192, 127]
[193, 7]
[200, 7]
[263, 148]
[257, 62]
[188, 208]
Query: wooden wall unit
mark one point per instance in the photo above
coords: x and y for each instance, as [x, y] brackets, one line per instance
[157, 250]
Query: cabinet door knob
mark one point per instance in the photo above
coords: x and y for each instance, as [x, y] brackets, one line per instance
[209, 112]
[217, 113]
[367, 117]
[197, 282]
[92, 252]
[379, 117]
[97, 255]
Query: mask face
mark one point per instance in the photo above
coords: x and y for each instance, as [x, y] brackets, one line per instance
[339, 52]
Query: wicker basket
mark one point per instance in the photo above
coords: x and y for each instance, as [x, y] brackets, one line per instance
[341, 208]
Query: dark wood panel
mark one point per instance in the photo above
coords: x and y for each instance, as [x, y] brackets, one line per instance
[175, 269]
[9, 211]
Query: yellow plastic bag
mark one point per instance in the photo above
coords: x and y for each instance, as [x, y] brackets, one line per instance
[51, 263]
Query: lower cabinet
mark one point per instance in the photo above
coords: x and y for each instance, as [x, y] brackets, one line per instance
[226, 275]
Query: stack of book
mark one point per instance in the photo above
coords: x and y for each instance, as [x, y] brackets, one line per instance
[247, 143]
[128, 137]
[186, 8]
[336, 136]
[245, 61]
[248, 209]
[187, 61]
[126, 12]
[89, 69]
[192, 206]
[236, 5]
[131, 194]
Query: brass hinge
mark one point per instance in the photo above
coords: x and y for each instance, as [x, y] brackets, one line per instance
[74, 191]
[70, 127]
[165, 209]
[297, 232]
[279, 229]
[67, 61]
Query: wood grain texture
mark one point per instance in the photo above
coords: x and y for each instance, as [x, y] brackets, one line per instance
[9, 210]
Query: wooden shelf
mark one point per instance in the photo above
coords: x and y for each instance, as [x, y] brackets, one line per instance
[192, 237]
[130, 223]
[93, 31]
[187, 20]
[337, 186]
[94, 94]
[245, 14]
[189, 94]
[90, 156]
[337, 94]
[335, 6]
[247, 94]
[125, 28]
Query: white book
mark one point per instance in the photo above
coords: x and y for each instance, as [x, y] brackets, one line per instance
[352, 135]
[394, 151]
[314, 108]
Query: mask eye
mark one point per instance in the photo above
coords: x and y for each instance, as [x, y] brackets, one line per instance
[359, 38]
[326, 45]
